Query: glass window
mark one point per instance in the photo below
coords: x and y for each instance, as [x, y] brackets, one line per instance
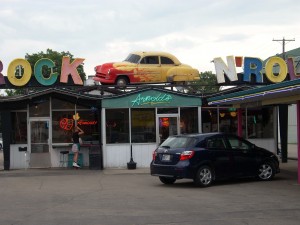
[165, 60]
[216, 143]
[143, 125]
[88, 122]
[209, 120]
[188, 120]
[236, 143]
[40, 108]
[117, 126]
[19, 127]
[132, 58]
[60, 104]
[228, 120]
[150, 60]
[260, 122]
[63, 124]
[179, 142]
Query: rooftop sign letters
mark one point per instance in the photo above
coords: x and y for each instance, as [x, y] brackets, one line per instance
[275, 71]
[68, 69]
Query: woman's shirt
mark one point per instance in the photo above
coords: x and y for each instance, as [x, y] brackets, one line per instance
[75, 137]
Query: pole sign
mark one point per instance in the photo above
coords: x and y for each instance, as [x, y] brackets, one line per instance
[276, 70]
[68, 69]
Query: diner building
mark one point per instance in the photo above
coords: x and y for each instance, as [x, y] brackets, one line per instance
[119, 125]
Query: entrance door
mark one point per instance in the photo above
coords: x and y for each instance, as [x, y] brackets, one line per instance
[167, 126]
[39, 143]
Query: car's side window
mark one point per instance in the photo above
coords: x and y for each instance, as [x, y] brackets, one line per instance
[216, 143]
[236, 143]
[150, 60]
[165, 60]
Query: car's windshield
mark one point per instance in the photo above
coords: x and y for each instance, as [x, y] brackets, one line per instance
[179, 142]
[132, 58]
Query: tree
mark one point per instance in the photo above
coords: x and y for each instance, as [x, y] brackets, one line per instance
[207, 84]
[56, 57]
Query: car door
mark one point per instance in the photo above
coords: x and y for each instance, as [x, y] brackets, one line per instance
[220, 157]
[244, 156]
[149, 70]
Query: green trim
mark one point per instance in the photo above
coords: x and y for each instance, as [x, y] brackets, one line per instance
[151, 99]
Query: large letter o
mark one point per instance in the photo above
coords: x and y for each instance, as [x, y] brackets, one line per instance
[11, 72]
[282, 70]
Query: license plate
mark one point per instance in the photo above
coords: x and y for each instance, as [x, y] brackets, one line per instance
[166, 157]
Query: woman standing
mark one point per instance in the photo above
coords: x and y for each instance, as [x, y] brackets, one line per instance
[76, 145]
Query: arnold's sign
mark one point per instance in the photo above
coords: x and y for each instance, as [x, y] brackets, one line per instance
[68, 69]
[275, 70]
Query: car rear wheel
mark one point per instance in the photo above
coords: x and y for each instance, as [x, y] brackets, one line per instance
[167, 180]
[204, 176]
[122, 81]
[266, 171]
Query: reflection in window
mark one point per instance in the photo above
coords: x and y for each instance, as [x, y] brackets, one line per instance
[60, 104]
[19, 127]
[209, 120]
[63, 124]
[228, 120]
[40, 108]
[188, 120]
[260, 122]
[236, 143]
[117, 125]
[143, 125]
[150, 60]
[165, 60]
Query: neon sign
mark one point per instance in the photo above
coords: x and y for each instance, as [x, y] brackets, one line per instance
[68, 69]
[67, 124]
[253, 67]
[151, 100]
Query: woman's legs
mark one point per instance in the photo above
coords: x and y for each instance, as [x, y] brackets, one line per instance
[75, 149]
[75, 158]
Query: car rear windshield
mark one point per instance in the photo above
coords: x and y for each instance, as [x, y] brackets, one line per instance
[132, 58]
[179, 142]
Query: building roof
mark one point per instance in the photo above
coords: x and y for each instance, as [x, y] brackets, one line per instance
[281, 93]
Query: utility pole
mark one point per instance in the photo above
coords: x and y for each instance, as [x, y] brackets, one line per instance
[283, 40]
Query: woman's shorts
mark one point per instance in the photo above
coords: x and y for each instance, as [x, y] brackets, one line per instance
[75, 147]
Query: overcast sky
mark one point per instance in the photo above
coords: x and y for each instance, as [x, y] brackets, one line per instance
[196, 31]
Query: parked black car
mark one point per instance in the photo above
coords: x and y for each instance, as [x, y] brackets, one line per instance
[211, 156]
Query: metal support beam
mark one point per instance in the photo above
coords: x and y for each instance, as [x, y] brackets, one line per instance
[283, 126]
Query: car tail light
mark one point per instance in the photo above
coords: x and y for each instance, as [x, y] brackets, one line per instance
[154, 154]
[186, 155]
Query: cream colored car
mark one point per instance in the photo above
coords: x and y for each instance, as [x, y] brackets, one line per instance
[146, 67]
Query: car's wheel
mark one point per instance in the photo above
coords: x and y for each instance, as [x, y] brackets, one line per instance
[266, 171]
[122, 81]
[204, 176]
[167, 180]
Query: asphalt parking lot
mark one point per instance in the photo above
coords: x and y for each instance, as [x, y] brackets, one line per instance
[121, 196]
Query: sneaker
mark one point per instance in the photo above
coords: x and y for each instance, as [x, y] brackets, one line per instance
[76, 165]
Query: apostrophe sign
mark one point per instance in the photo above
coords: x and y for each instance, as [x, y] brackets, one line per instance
[254, 67]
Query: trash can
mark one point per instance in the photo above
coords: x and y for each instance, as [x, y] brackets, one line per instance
[95, 157]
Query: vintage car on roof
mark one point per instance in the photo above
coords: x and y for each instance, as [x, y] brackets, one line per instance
[145, 67]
